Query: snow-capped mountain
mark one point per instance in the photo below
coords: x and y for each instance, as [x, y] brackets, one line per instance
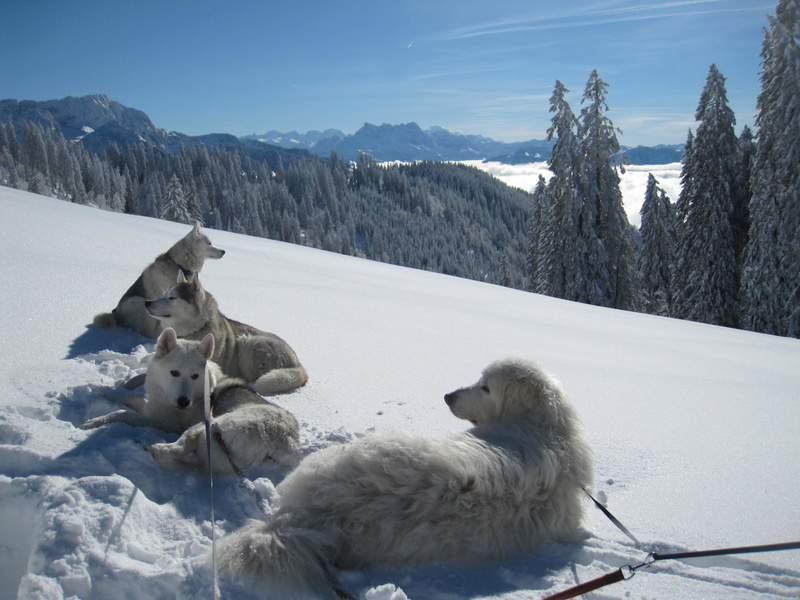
[97, 122]
[294, 139]
[409, 142]
[404, 142]
[79, 118]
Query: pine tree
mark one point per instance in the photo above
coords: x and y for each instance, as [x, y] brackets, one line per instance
[504, 275]
[564, 255]
[612, 275]
[707, 272]
[174, 206]
[658, 246]
[740, 220]
[536, 231]
[34, 154]
[771, 274]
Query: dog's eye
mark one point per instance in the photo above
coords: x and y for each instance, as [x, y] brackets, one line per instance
[485, 388]
[175, 373]
[171, 298]
[195, 375]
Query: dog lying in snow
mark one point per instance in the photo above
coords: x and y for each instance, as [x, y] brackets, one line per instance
[248, 431]
[261, 358]
[186, 256]
[506, 486]
[253, 429]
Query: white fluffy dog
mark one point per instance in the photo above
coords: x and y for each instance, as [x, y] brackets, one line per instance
[506, 486]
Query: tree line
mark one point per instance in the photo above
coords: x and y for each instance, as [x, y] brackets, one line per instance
[447, 218]
[727, 252]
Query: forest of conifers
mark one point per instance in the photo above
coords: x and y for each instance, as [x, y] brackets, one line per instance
[441, 217]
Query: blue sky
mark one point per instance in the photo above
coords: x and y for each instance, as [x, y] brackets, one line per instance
[488, 68]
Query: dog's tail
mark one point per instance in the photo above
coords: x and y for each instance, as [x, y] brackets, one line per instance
[105, 320]
[292, 558]
[278, 381]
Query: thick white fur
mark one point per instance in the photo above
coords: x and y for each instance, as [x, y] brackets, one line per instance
[506, 486]
[174, 387]
[253, 431]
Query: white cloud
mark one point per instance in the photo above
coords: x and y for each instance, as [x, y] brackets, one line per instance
[633, 182]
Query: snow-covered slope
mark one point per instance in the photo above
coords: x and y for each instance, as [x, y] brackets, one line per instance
[694, 427]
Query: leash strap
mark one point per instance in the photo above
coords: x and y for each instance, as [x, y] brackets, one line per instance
[590, 586]
[626, 572]
[207, 419]
[244, 482]
[614, 520]
[724, 551]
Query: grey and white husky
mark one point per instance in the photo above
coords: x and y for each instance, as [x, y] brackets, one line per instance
[186, 256]
[248, 428]
[262, 359]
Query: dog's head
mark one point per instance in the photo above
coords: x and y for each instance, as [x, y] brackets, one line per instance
[188, 452]
[175, 377]
[202, 246]
[180, 304]
[507, 389]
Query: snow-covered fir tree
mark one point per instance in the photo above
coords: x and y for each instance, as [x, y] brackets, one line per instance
[740, 219]
[612, 276]
[537, 228]
[706, 275]
[658, 247]
[174, 207]
[771, 273]
[564, 257]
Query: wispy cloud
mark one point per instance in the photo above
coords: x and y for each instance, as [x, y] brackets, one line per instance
[600, 14]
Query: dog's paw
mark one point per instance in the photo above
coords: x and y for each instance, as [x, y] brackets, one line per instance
[92, 423]
[134, 382]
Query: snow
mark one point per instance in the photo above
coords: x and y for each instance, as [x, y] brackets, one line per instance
[694, 427]
[633, 182]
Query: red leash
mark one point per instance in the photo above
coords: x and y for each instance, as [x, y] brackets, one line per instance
[628, 571]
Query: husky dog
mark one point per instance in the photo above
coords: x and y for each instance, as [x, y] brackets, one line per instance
[173, 388]
[509, 485]
[260, 358]
[248, 428]
[186, 256]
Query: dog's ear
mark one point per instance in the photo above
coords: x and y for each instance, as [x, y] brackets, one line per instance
[166, 342]
[206, 347]
[181, 276]
[517, 399]
[196, 230]
[194, 283]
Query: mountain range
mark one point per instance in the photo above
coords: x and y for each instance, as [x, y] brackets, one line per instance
[97, 122]
[409, 142]
[404, 142]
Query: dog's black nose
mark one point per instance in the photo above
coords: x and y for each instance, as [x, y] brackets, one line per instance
[183, 402]
[147, 303]
[450, 398]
